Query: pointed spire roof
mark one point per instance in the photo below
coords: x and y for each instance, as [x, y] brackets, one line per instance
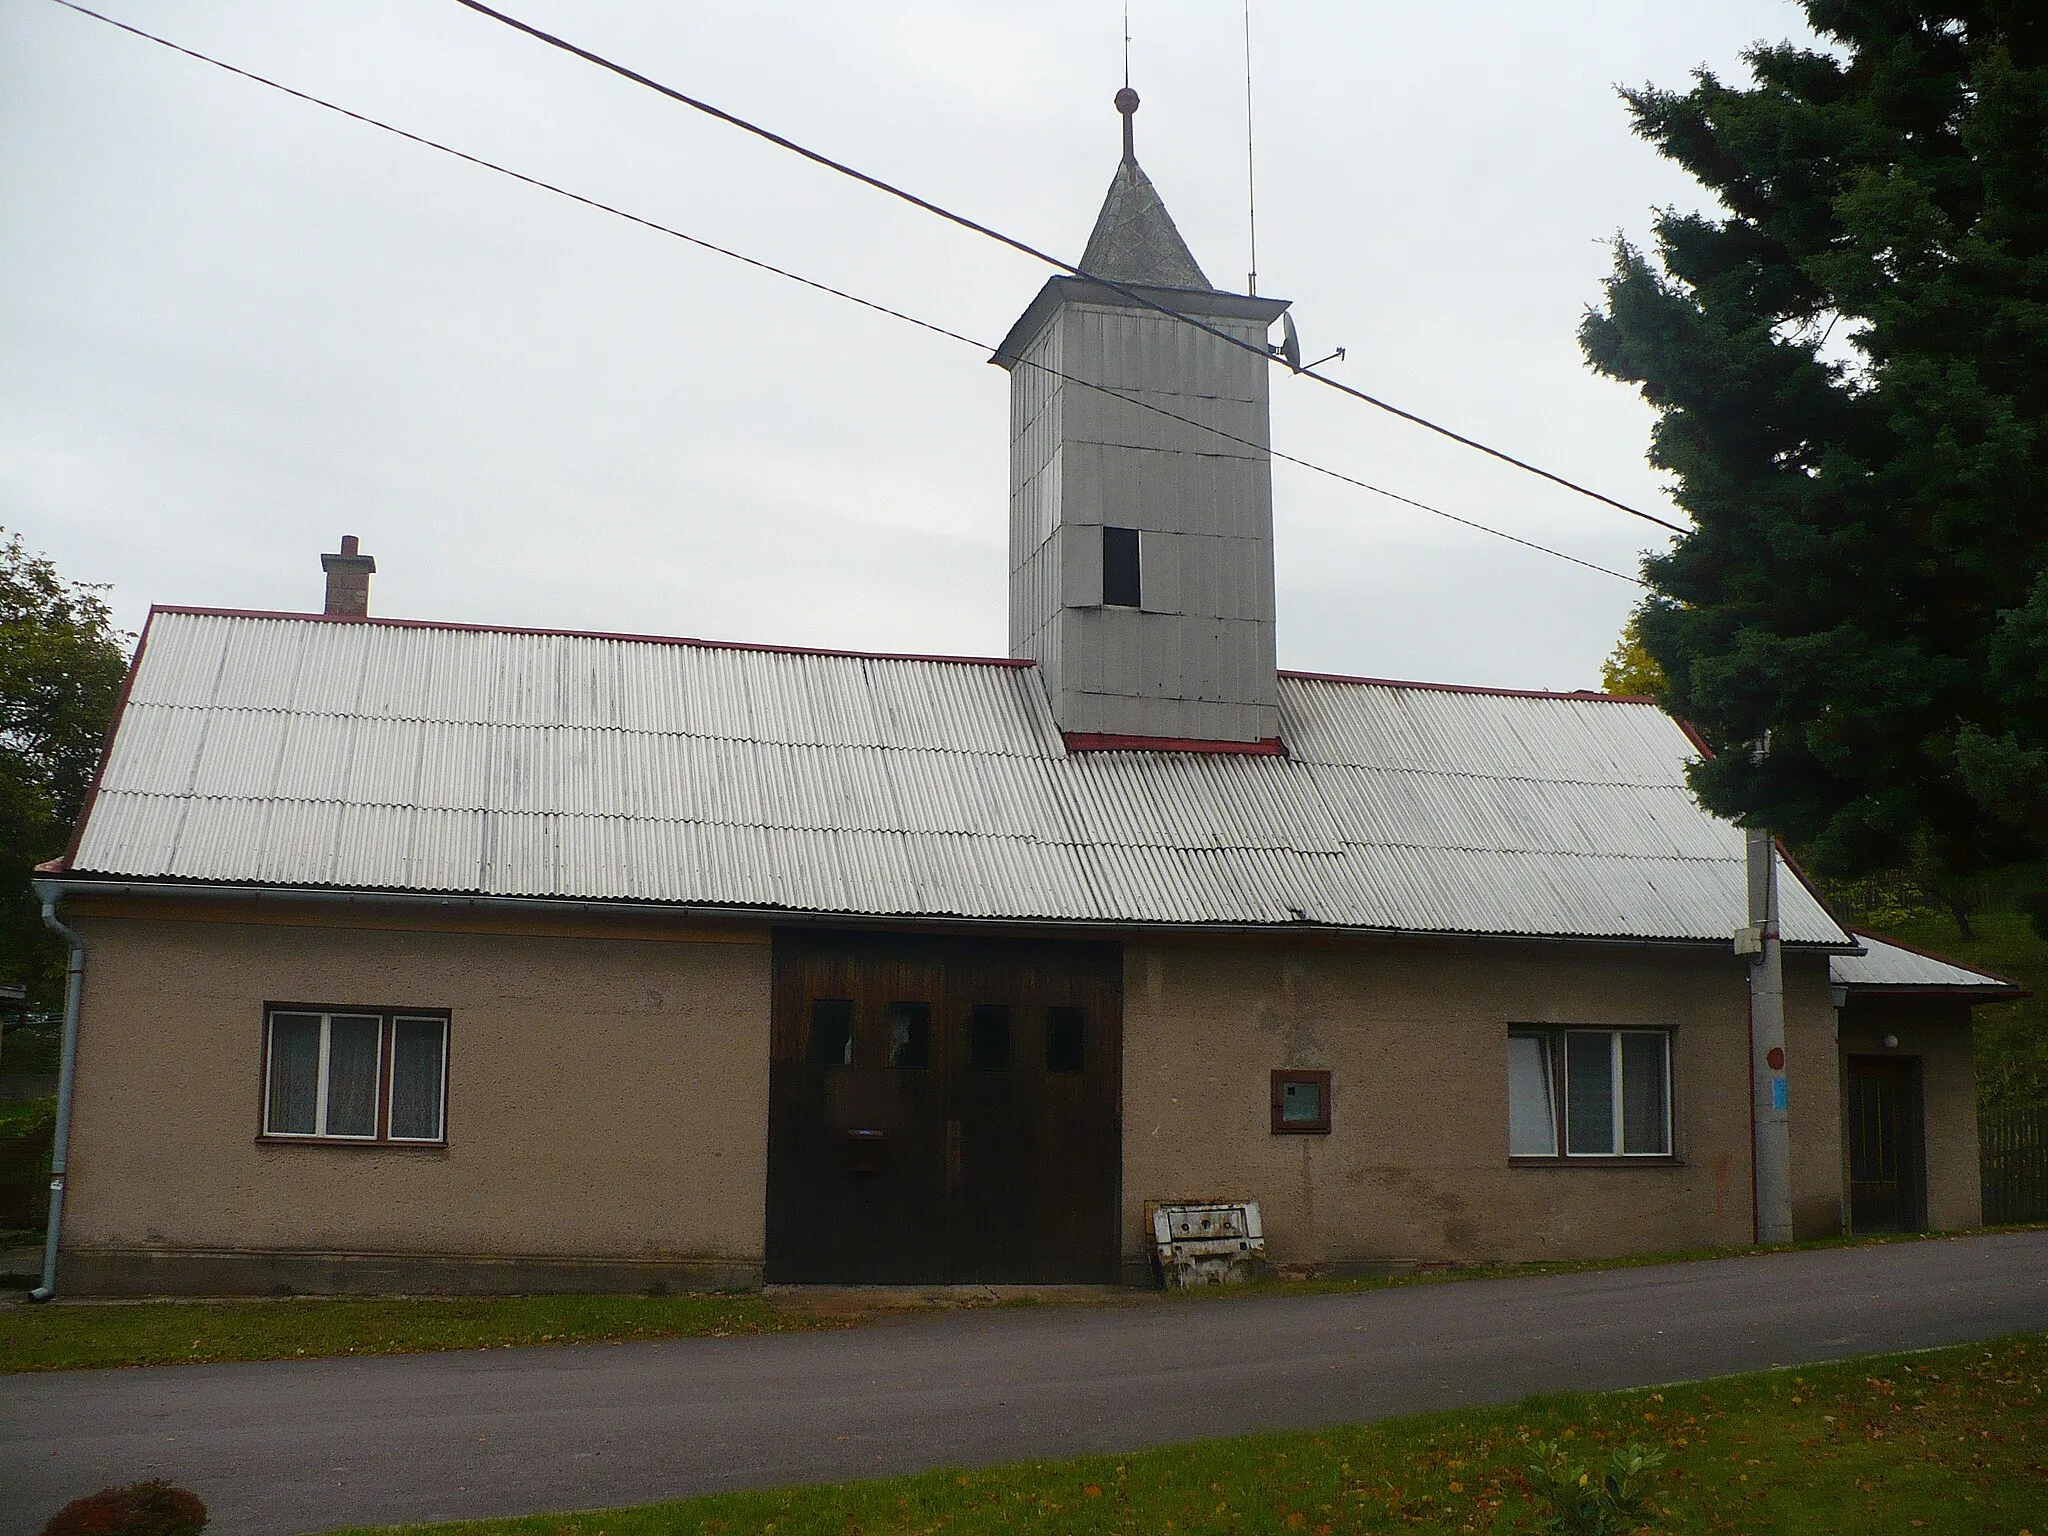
[1134, 240]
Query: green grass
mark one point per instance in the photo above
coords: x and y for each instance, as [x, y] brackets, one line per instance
[85, 1336]
[61, 1337]
[32, 1050]
[1321, 1285]
[30, 1117]
[1949, 1441]
[25, 1131]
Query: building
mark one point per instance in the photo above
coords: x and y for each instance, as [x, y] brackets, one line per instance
[423, 955]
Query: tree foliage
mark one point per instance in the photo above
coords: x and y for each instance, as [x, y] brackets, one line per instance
[1630, 670]
[1850, 369]
[61, 664]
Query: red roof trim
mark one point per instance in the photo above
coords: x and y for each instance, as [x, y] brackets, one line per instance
[63, 861]
[591, 634]
[1094, 741]
[1581, 695]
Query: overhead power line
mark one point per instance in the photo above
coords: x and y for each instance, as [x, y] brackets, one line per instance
[812, 283]
[626, 72]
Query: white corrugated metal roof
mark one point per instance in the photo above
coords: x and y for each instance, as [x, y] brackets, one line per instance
[1893, 965]
[388, 755]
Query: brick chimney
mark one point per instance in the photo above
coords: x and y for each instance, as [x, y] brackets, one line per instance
[348, 580]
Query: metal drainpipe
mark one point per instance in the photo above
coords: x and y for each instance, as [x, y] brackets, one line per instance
[74, 984]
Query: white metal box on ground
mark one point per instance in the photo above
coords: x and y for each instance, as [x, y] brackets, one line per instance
[1206, 1242]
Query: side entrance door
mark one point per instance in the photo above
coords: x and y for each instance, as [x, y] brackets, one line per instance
[1887, 1145]
[944, 1110]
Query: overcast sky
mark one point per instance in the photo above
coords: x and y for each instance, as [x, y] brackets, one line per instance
[234, 326]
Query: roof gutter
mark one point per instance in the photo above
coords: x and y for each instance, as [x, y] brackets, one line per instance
[450, 902]
[74, 984]
[1973, 992]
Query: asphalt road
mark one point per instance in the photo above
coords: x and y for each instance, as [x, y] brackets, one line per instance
[307, 1446]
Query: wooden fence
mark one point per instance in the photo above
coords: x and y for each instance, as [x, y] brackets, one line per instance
[2013, 1153]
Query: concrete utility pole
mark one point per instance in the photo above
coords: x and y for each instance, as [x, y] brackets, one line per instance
[1770, 1100]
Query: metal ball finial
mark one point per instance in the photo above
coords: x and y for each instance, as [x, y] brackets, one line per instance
[1127, 101]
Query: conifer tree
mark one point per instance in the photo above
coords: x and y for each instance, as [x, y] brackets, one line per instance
[1849, 363]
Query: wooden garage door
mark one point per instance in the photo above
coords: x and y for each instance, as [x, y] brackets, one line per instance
[944, 1110]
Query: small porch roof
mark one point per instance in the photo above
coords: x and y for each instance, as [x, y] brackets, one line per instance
[1887, 968]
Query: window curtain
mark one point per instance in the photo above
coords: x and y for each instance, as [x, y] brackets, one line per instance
[294, 1105]
[1645, 1091]
[352, 1061]
[1532, 1098]
[1589, 1091]
[419, 1050]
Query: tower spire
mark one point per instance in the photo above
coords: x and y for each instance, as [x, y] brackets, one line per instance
[1127, 104]
[1134, 240]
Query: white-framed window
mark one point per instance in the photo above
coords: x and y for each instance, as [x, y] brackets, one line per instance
[1589, 1093]
[355, 1074]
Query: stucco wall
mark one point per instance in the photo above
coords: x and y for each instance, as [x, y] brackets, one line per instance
[608, 1099]
[1415, 1035]
[1937, 1031]
[607, 1096]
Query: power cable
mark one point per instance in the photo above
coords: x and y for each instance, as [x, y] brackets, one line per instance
[1136, 296]
[812, 283]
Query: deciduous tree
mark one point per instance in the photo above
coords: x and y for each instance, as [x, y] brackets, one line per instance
[61, 664]
[1630, 669]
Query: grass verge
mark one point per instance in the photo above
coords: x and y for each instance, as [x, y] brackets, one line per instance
[1313, 1284]
[60, 1338]
[88, 1336]
[1949, 1441]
